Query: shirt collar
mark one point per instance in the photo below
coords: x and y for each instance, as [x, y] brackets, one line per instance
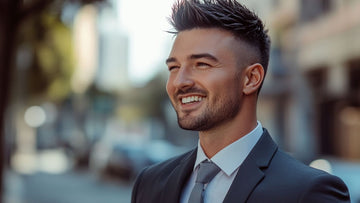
[232, 156]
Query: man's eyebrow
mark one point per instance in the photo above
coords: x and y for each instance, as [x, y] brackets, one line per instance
[205, 55]
[171, 59]
[194, 56]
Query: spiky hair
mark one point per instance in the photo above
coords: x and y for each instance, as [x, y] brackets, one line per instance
[229, 15]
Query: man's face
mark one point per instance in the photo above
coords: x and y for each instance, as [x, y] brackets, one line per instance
[205, 81]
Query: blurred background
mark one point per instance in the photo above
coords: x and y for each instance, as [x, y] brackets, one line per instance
[83, 103]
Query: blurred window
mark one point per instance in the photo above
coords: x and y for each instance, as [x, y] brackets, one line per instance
[310, 9]
[316, 79]
[275, 3]
[354, 76]
[276, 60]
[324, 110]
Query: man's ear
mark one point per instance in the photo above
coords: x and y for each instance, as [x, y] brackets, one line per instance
[253, 77]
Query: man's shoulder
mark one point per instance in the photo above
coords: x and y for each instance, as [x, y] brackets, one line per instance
[287, 172]
[285, 163]
[282, 163]
[292, 170]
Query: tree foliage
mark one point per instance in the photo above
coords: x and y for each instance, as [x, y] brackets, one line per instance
[13, 15]
[49, 42]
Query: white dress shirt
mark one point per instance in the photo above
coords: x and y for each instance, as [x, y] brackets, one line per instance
[228, 160]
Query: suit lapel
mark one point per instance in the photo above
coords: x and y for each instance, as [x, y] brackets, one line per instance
[250, 173]
[178, 178]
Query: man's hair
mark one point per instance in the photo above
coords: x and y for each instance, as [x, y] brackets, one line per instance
[229, 15]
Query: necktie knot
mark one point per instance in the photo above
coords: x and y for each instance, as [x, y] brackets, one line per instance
[207, 171]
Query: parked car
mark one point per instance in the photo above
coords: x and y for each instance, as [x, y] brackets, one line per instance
[126, 160]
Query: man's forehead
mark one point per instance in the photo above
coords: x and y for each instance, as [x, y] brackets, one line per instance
[208, 40]
[201, 41]
[204, 34]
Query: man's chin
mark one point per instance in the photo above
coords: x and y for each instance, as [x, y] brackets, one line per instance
[187, 124]
[191, 124]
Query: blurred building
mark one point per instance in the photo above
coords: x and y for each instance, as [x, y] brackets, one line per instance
[311, 99]
[113, 52]
[329, 57]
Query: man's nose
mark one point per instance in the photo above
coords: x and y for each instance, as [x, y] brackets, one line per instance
[184, 79]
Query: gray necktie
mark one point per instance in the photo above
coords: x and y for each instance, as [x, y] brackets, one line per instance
[207, 171]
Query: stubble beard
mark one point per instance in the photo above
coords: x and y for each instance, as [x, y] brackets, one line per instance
[210, 118]
[222, 110]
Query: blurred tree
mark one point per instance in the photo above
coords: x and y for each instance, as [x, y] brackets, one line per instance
[51, 57]
[154, 94]
[50, 51]
[145, 102]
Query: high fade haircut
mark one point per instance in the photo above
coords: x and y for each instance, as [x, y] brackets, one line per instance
[229, 15]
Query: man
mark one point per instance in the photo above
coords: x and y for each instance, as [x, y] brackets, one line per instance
[217, 66]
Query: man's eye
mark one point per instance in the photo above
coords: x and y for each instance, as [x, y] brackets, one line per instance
[202, 64]
[172, 67]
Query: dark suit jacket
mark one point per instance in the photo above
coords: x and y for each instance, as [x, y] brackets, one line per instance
[266, 175]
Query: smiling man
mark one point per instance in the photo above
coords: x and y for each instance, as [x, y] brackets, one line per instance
[216, 69]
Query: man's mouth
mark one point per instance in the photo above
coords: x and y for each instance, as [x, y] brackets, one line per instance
[191, 99]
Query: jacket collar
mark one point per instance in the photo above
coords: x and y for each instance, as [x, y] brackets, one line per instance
[178, 178]
[251, 172]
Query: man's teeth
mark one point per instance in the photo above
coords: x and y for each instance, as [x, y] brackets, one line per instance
[191, 99]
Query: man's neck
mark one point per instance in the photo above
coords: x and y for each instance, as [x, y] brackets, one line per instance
[212, 141]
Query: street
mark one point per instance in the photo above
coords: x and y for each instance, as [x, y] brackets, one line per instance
[69, 187]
